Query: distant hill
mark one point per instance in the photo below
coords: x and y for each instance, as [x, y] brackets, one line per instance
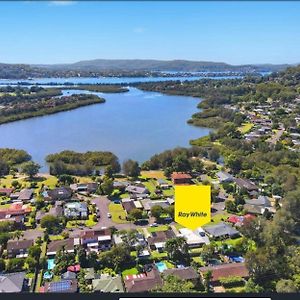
[127, 67]
[163, 66]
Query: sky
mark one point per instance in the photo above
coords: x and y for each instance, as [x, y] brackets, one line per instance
[49, 32]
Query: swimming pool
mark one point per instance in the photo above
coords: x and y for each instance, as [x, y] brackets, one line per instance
[51, 264]
[161, 266]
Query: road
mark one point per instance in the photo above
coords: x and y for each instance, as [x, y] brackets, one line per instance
[104, 221]
[276, 137]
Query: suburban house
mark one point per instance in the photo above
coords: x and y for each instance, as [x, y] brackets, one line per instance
[194, 238]
[259, 205]
[18, 248]
[187, 273]
[69, 275]
[144, 282]
[85, 187]
[148, 204]
[6, 191]
[56, 211]
[96, 240]
[58, 194]
[24, 195]
[76, 210]
[137, 191]
[129, 204]
[12, 282]
[121, 185]
[63, 286]
[181, 178]
[221, 230]
[163, 184]
[246, 184]
[225, 270]
[239, 220]
[139, 240]
[67, 244]
[224, 177]
[158, 239]
[108, 284]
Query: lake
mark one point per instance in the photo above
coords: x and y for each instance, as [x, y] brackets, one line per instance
[134, 125]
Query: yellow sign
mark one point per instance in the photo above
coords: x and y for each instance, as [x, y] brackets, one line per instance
[192, 205]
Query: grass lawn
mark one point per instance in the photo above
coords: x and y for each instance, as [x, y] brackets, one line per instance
[198, 260]
[132, 271]
[118, 214]
[168, 192]
[56, 237]
[158, 228]
[169, 264]
[5, 206]
[245, 127]
[150, 185]
[125, 195]
[218, 218]
[153, 174]
[158, 255]
[90, 222]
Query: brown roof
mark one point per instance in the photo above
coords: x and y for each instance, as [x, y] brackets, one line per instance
[128, 205]
[6, 191]
[150, 281]
[19, 244]
[94, 233]
[184, 273]
[25, 194]
[55, 246]
[161, 236]
[226, 270]
[180, 175]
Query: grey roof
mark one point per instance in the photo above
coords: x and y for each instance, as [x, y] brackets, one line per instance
[12, 282]
[135, 189]
[224, 176]
[260, 201]
[246, 183]
[221, 229]
[25, 194]
[68, 275]
[108, 284]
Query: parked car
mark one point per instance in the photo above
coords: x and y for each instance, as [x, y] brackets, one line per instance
[153, 225]
[109, 215]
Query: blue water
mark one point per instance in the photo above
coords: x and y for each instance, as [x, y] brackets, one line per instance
[132, 125]
[51, 264]
[105, 80]
[161, 266]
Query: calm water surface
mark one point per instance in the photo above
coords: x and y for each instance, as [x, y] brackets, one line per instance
[133, 125]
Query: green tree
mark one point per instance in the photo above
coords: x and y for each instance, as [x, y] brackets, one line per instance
[136, 214]
[107, 186]
[286, 286]
[35, 252]
[51, 224]
[173, 284]
[177, 249]
[156, 211]
[15, 265]
[2, 265]
[131, 168]
[30, 168]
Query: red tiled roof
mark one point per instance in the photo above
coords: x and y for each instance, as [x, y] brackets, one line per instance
[226, 270]
[180, 175]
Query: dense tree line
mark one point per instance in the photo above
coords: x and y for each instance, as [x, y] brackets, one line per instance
[74, 163]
